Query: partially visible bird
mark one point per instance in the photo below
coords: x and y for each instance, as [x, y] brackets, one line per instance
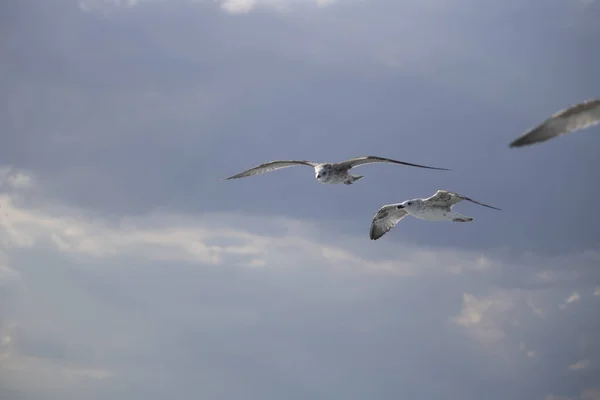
[331, 173]
[574, 118]
[435, 208]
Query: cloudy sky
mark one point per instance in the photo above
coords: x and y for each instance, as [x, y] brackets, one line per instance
[129, 270]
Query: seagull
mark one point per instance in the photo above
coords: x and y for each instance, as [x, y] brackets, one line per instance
[574, 118]
[331, 173]
[435, 208]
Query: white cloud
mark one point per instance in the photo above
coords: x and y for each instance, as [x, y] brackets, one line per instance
[11, 179]
[214, 239]
[230, 6]
[238, 6]
[582, 364]
[597, 292]
[91, 243]
[481, 316]
[491, 320]
[574, 298]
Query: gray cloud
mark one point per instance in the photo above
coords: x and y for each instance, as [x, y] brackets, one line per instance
[155, 118]
[167, 304]
[129, 270]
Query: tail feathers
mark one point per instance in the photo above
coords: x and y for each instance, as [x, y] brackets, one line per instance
[462, 219]
[353, 179]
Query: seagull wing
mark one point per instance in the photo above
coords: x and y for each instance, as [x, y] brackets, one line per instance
[270, 166]
[444, 198]
[574, 118]
[355, 162]
[386, 218]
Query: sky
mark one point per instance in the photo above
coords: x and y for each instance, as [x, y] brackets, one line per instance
[130, 270]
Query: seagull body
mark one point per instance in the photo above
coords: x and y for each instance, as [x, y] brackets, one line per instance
[435, 208]
[327, 173]
[574, 118]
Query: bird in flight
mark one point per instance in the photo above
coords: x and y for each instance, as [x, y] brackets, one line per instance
[571, 119]
[330, 173]
[435, 208]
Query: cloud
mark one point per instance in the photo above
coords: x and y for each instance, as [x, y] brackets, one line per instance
[121, 276]
[582, 364]
[214, 239]
[574, 298]
[479, 316]
[97, 297]
[11, 179]
[230, 6]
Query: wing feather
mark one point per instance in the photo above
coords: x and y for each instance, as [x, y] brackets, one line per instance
[444, 198]
[386, 218]
[574, 118]
[355, 162]
[270, 166]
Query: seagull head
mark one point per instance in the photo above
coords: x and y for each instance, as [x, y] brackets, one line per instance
[410, 205]
[322, 172]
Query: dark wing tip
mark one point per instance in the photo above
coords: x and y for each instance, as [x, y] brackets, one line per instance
[520, 142]
[425, 166]
[526, 140]
[488, 206]
[372, 234]
[237, 176]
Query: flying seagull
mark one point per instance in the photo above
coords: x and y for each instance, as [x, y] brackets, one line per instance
[332, 173]
[435, 208]
[574, 118]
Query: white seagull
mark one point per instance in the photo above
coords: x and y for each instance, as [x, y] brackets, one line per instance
[331, 173]
[435, 208]
[574, 118]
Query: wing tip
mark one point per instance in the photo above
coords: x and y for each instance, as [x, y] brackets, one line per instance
[519, 142]
[372, 234]
[527, 140]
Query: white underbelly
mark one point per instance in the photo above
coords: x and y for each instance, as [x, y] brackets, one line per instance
[435, 214]
[334, 178]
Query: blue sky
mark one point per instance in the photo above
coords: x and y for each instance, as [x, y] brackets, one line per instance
[129, 270]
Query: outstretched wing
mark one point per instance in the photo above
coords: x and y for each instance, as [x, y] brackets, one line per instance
[354, 162]
[270, 166]
[444, 198]
[386, 218]
[570, 119]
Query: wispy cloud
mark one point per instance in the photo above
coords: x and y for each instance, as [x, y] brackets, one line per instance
[215, 239]
[579, 365]
[230, 6]
[126, 251]
[573, 298]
